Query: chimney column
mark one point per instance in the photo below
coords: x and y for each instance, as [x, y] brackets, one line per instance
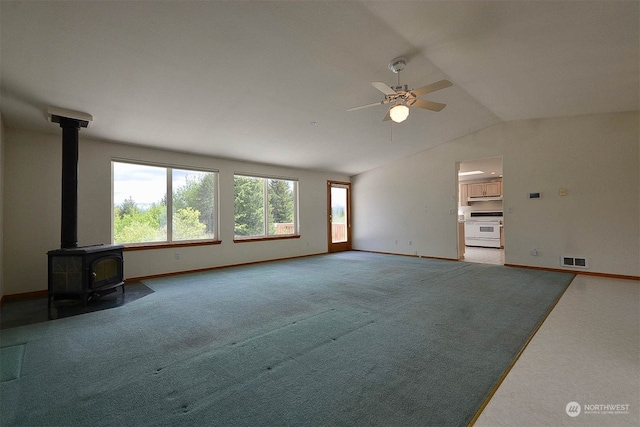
[69, 227]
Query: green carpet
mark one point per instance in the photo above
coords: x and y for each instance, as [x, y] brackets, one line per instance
[11, 362]
[350, 339]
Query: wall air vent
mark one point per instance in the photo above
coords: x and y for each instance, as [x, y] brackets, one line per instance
[572, 261]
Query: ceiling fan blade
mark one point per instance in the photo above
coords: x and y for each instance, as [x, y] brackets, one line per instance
[367, 106]
[384, 88]
[387, 116]
[427, 105]
[431, 88]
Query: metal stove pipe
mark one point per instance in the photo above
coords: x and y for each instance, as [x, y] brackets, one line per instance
[70, 122]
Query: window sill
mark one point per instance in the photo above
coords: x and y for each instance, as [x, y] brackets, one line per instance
[165, 245]
[262, 239]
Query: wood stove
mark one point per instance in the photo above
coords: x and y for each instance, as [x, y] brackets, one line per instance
[78, 272]
[84, 272]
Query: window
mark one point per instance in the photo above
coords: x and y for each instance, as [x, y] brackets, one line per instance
[142, 212]
[265, 207]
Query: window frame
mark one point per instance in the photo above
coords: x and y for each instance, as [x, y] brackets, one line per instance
[169, 242]
[266, 235]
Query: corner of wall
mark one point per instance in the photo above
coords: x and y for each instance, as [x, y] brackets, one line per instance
[2, 169]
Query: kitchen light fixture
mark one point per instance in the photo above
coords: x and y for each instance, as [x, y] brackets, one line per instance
[469, 173]
[399, 113]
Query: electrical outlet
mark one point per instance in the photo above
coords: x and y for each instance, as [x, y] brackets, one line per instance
[410, 243]
[534, 252]
[177, 255]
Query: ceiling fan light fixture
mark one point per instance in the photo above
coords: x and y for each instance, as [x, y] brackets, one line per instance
[399, 113]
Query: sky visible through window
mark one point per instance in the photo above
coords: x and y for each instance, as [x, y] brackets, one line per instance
[145, 184]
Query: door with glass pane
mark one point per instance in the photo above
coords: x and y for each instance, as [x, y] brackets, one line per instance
[339, 215]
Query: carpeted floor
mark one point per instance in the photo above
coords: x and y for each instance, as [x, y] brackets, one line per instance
[343, 339]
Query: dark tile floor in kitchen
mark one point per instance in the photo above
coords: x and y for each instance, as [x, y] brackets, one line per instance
[28, 310]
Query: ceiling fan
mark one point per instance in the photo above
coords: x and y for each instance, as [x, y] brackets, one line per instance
[402, 98]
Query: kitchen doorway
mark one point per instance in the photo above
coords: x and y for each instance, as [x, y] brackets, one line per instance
[480, 211]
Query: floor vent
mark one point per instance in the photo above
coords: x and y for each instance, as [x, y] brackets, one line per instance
[571, 261]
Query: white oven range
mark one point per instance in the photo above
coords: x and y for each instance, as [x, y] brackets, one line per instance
[482, 228]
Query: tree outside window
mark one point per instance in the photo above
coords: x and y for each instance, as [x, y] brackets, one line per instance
[264, 207]
[141, 212]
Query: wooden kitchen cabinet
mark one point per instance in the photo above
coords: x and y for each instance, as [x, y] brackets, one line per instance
[485, 189]
[476, 190]
[464, 195]
[493, 188]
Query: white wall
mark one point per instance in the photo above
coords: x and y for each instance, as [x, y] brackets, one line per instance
[415, 199]
[32, 218]
[596, 158]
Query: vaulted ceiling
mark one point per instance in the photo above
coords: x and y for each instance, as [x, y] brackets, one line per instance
[270, 81]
